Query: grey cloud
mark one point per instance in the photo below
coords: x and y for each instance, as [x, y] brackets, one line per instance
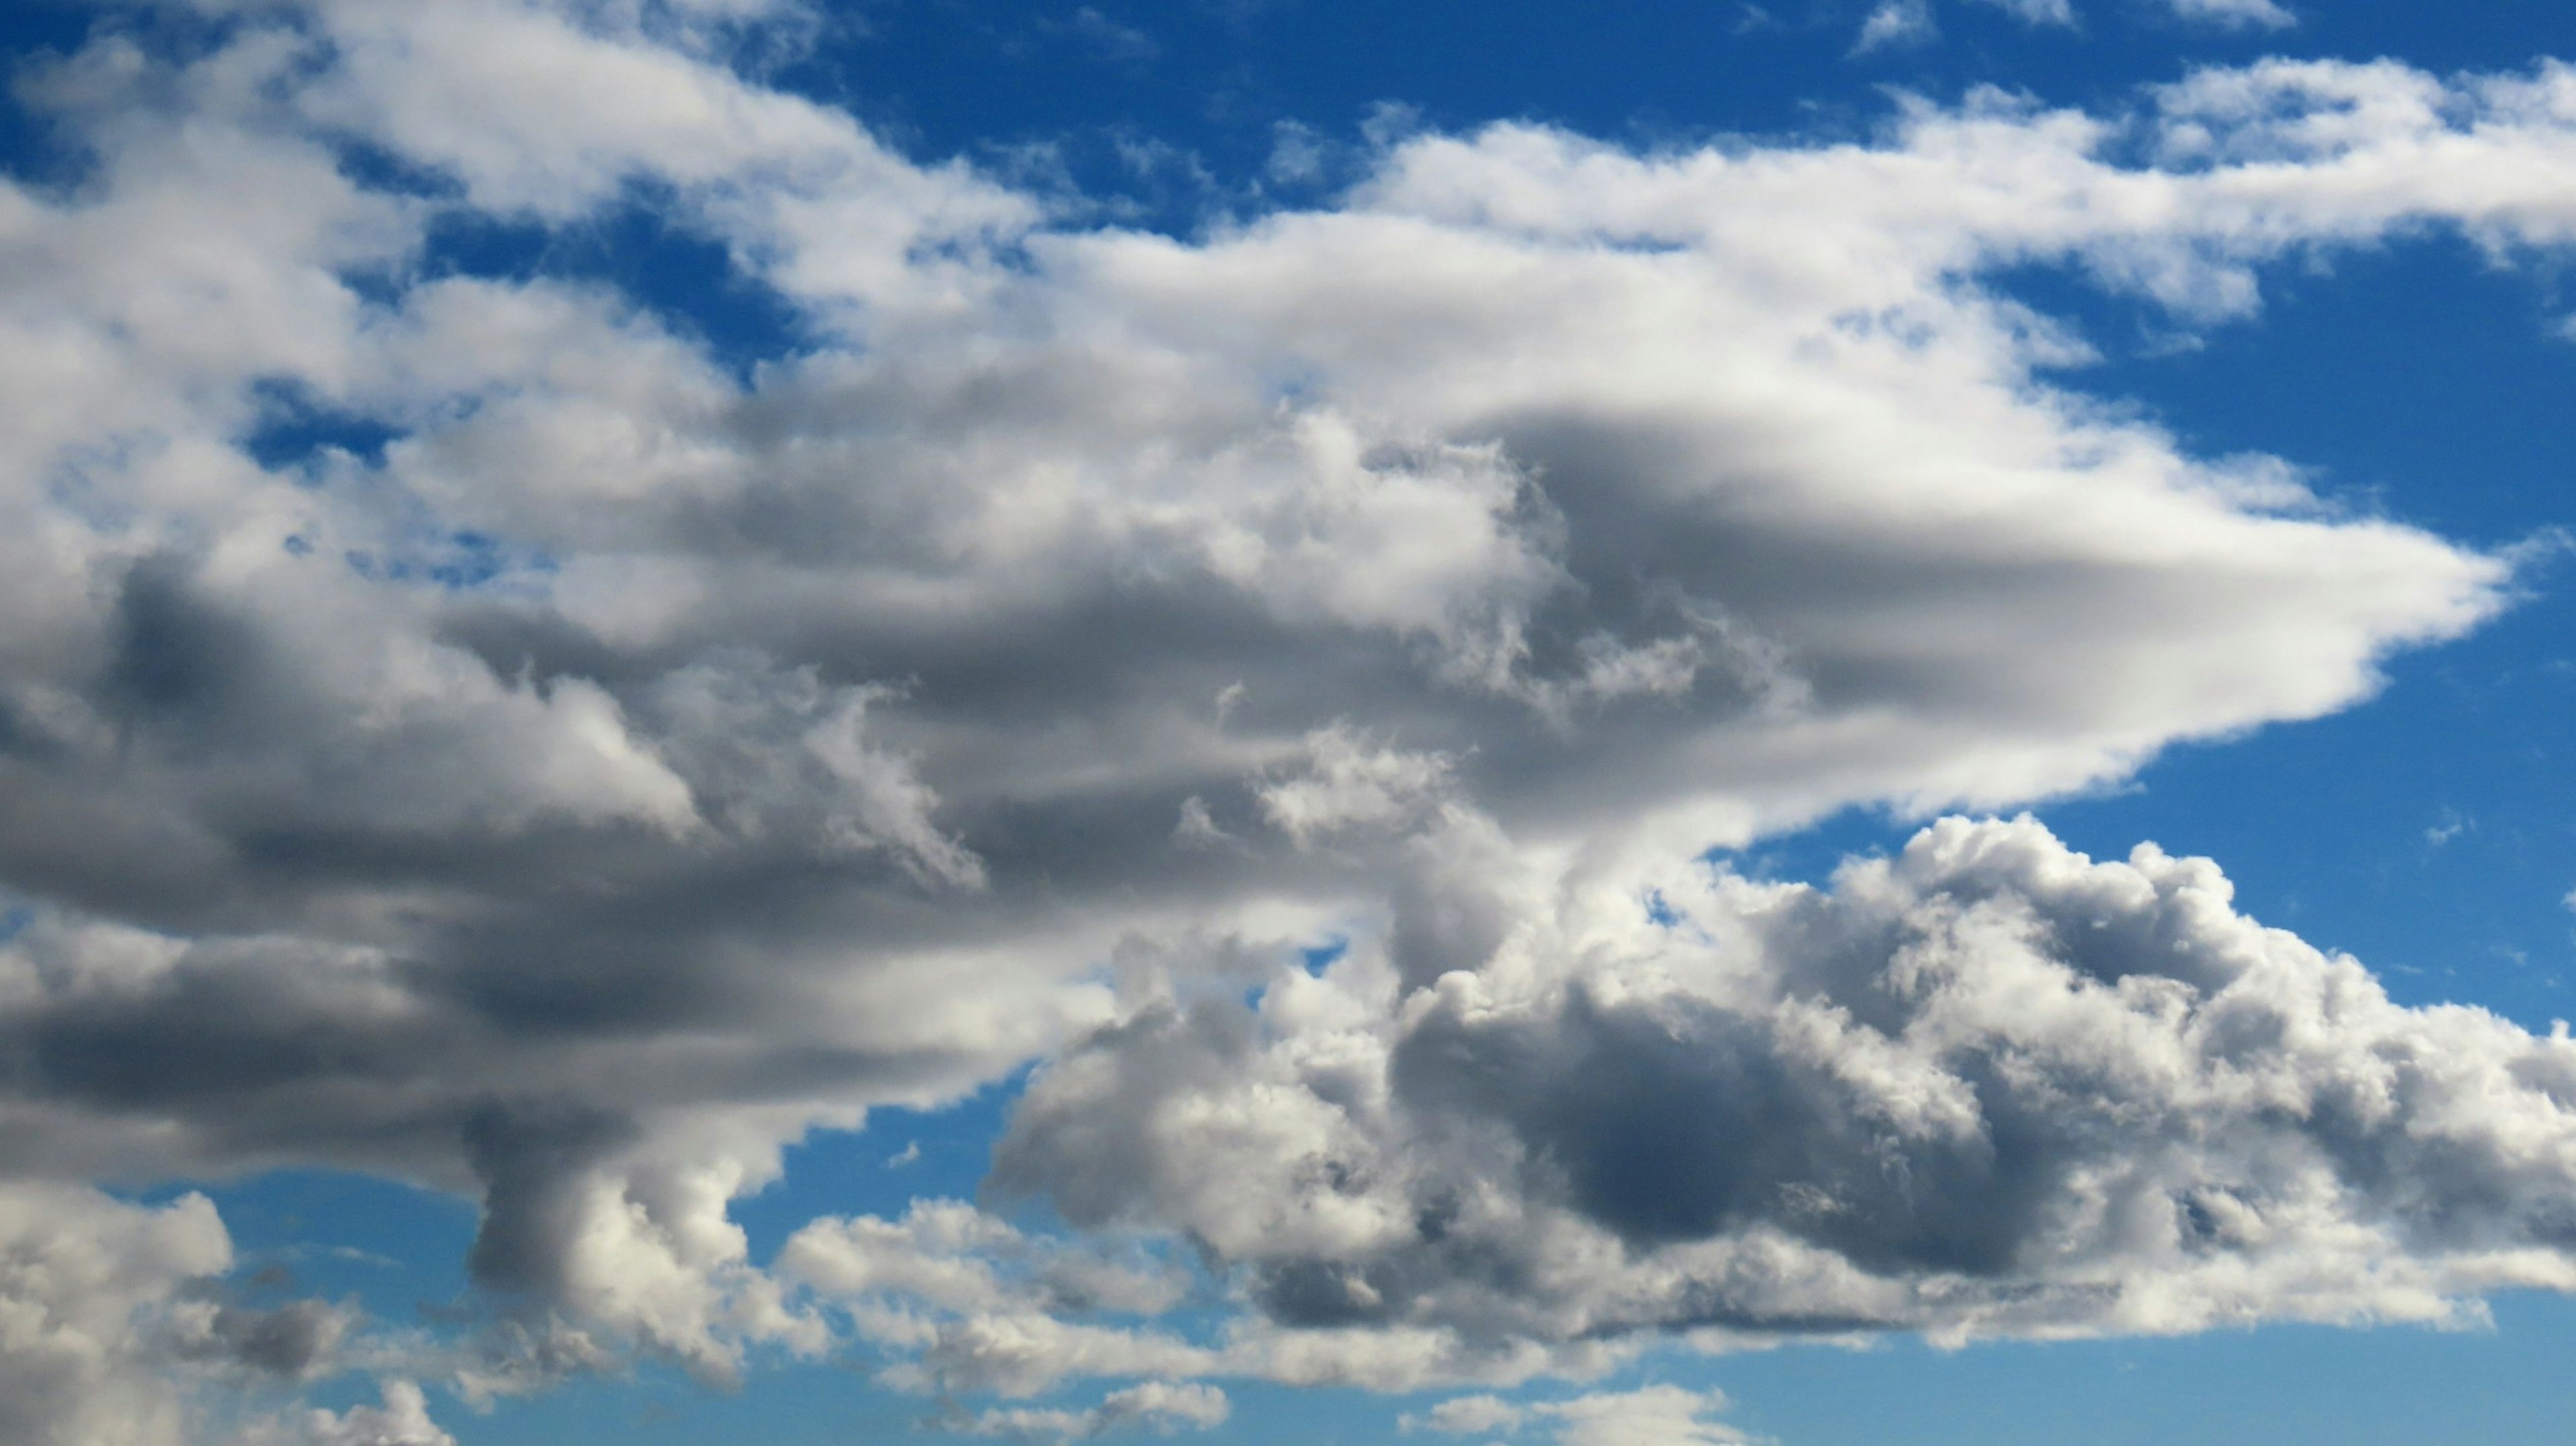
[298, 1340]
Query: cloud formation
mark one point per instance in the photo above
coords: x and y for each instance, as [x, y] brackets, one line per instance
[453, 725]
[112, 1316]
[1987, 1087]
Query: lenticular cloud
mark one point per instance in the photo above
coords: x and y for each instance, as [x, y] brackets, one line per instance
[454, 726]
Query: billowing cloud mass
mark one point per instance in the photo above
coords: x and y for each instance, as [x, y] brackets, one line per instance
[110, 1312]
[1988, 1086]
[454, 725]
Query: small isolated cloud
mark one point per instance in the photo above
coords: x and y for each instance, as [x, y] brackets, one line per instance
[2238, 14]
[1651, 1416]
[1469, 1415]
[1158, 1406]
[1897, 22]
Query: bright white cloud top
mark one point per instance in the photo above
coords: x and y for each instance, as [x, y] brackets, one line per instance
[641, 763]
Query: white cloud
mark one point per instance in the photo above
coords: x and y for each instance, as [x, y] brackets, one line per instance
[1652, 1416]
[1649, 1416]
[2262, 14]
[1156, 1405]
[1986, 1088]
[403, 1420]
[1897, 22]
[1469, 1415]
[108, 1320]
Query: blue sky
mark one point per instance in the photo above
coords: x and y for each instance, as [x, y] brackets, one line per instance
[730, 719]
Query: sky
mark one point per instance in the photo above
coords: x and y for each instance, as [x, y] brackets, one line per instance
[1277, 721]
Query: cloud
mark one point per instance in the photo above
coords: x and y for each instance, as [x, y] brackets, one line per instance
[2238, 14]
[1911, 22]
[110, 1317]
[2050, 12]
[636, 762]
[1987, 1087]
[1157, 1406]
[1651, 1416]
[403, 1420]
[1897, 22]
[966, 1302]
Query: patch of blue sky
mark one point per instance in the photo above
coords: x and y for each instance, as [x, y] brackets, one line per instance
[1317, 957]
[394, 1251]
[459, 560]
[901, 1155]
[31, 151]
[643, 249]
[297, 430]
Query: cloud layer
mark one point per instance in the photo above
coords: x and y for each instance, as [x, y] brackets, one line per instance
[452, 725]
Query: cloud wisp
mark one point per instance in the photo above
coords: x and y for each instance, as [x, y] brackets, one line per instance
[601, 766]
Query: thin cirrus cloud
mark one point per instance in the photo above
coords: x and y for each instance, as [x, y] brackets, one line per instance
[635, 764]
[1915, 22]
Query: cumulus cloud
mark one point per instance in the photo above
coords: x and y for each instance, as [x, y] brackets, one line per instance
[403, 1420]
[626, 763]
[111, 1315]
[1987, 1087]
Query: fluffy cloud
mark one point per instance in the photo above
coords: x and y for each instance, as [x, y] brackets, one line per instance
[403, 1420]
[601, 766]
[966, 1302]
[1985, 1087]
[111, 1314]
